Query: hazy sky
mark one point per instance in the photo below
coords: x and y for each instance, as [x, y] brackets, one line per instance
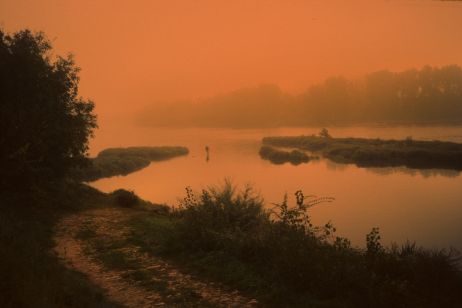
[137, 52]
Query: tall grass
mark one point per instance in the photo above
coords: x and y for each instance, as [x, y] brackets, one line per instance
[281, 257]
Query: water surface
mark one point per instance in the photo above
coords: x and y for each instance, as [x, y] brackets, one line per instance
[420, 205]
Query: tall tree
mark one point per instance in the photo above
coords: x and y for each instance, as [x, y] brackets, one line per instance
[45, 125]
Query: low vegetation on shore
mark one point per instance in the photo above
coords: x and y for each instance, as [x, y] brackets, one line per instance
[31, 275]
[377, 152]
[281, 259]
[224, 236]
[277, 156]
[276, 256]
[122, 161]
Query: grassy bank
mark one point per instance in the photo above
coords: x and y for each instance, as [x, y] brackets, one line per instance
[122, 161]
[31, 276]
[221, 235]
[277, 156]
[378, 153]
[281, 259]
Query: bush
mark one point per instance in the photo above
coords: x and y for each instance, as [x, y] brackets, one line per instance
[125, 198]
[282, 257]
[219, 217]
[276, 156]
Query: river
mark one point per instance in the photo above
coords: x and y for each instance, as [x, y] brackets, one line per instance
[418, 205]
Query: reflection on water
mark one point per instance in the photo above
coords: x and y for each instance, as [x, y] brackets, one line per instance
[421, 205]
[414, 172]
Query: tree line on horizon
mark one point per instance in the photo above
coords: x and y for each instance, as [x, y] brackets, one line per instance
[430, 95]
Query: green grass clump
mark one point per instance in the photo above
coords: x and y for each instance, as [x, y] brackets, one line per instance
[279, 257]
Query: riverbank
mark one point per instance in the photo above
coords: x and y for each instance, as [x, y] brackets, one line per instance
[32, 276]
[217, 241]
[95, 242]
[122, 161]
[280, 258]
[364, 152]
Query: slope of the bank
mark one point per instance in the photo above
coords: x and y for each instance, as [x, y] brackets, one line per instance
[31, 276]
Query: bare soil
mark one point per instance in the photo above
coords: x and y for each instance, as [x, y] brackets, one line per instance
[165, 285]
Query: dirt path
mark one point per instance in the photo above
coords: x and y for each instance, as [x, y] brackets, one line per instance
[165, 285]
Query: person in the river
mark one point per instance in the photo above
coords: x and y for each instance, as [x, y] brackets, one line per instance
[207, 152]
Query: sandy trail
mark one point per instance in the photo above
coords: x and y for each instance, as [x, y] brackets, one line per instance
[108, 224]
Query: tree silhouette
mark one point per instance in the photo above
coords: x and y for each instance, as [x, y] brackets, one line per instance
[44, 125]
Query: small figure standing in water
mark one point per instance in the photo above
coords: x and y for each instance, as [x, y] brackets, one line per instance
[207, 153]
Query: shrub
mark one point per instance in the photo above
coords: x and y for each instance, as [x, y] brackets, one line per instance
[277, 156]
[280, 255]
[324, 133]
[219, 217]
[125, 198]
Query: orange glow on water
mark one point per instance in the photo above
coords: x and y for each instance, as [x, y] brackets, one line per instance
[142, 52]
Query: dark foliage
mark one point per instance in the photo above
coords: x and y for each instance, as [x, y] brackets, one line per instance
[281, 258]
[276, 156]
[31, 275]
[45, 128]
[125, 198]
[45, 125]
[377, 152]
[122, 161]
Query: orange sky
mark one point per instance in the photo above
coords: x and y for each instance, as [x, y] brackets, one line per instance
[137, 52]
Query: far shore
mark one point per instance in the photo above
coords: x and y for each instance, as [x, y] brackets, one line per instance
[364, 152]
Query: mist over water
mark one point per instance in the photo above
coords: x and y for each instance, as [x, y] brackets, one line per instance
[189, 99]
[421, 205]
[137, 55]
